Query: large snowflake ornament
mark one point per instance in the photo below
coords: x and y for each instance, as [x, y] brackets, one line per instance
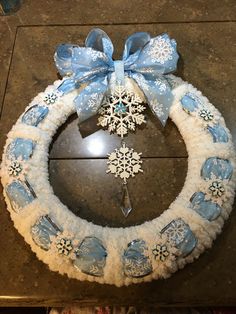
[121, 111]
[124, 162]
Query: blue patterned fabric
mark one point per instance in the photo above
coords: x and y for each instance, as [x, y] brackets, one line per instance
[218, 133]
[181, 236]
[205, 208]
[91, 257]
[189, 102]
[20, 148]
[42, 230]
[146, 60]
[19, 195]
[135, 262]
[218, 167]
[34, 115]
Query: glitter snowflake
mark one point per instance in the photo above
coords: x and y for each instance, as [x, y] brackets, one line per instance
[124, 162]
[161, 50]
[121, 111]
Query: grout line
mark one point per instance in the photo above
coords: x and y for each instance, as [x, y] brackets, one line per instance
[105, 158]
[8, 73]
[126, 23]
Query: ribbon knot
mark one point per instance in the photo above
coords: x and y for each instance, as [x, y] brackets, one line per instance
[146, 60]
[119, 72]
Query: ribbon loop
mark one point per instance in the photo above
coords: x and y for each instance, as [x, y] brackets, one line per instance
[146, 60]
[98, 40]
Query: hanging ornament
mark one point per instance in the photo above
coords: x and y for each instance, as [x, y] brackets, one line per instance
[124, 163]
[121, 111]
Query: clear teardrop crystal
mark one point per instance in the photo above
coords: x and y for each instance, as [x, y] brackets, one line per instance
[126, 205]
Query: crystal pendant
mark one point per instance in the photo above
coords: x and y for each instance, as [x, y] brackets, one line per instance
[126, 205]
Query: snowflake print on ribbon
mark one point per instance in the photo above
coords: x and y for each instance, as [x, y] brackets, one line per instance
[161, 50]
[157, 107]
[121, 111]
[124, 162]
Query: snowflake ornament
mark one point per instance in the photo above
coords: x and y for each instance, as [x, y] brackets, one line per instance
[15, 168]
[64, 246]
[121, 111]
[217, 188]
[50, 98]
[124, 162]
[160, 252]
[206, 115]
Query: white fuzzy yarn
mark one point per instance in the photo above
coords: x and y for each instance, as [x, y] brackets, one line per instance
[199, 146]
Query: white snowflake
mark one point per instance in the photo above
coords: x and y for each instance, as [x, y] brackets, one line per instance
[95, 55]
[50, 98]
[94, 270]
[140, 80]
[157, 108]
[176, 231]
[124, 162]
[161, 85]
[161, 50]
[121, 111]
[94, 100]
[138, 267]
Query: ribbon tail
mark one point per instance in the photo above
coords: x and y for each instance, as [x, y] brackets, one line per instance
[88, 102]
[158, 94]
[67, 86]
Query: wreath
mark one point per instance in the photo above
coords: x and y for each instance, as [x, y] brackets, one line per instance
[118, 90]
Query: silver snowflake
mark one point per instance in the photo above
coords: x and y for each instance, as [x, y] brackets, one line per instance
[124, 162]
[121, 111]
[161, 50]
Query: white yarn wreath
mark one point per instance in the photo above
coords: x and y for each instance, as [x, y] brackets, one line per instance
[122, 256]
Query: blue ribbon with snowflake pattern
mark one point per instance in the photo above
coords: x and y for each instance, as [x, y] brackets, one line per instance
[146, 60]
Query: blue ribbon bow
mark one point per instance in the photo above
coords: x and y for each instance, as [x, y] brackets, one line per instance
[146, 60]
